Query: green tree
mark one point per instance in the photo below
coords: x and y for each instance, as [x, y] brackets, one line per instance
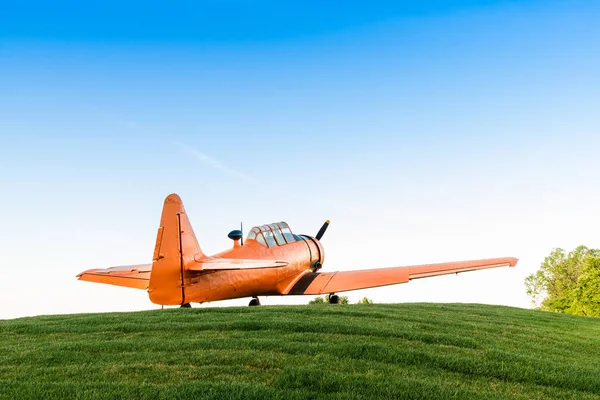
[557, 285]
[321, 300]
[588, 290]
[365, 300]
[342, 300]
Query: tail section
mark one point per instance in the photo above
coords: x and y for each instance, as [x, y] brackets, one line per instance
[176, 246]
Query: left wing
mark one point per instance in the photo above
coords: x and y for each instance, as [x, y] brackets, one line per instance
[138, 276]
[333, 282]
[133, 276]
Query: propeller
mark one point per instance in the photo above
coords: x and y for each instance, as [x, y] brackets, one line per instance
[322, 230]
[242, 230]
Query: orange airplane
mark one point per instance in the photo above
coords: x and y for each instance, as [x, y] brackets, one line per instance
[272, 261]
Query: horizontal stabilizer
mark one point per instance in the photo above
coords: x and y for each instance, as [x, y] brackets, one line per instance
[229, 264]
[132, 276]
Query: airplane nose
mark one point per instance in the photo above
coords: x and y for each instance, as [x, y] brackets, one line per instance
[315, 251]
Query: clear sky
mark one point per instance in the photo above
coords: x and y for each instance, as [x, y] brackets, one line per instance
[426, 131]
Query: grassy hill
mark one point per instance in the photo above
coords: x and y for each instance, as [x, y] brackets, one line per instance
[320, 351]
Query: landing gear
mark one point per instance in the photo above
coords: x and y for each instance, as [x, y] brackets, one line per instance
[334, 299]
[254, 302]
[186, 305]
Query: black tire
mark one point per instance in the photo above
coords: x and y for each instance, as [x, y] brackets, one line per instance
[334, 299]
[186, 305]
[254, 302]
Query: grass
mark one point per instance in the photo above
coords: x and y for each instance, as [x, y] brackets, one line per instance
[411, 351]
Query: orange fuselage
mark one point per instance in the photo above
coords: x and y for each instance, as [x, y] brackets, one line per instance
[203, 286]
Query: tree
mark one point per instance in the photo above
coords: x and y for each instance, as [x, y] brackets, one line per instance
[317, 300]
[365, 300]
[341, 300]
[321, 300]
[588, 291]
[567, 283]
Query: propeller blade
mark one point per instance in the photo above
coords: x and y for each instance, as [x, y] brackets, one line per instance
[322, 230]
[242, 230]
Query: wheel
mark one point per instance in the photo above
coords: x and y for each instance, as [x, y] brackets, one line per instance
[254, 302]
[334, 299]
[186, 305]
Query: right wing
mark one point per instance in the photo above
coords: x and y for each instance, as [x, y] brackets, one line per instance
[333, 282]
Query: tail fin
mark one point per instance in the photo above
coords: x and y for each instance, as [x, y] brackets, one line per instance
[176, 245]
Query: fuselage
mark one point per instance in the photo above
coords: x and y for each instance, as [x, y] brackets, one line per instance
[302, 255]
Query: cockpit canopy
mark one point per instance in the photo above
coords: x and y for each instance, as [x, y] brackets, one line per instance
[271, 235]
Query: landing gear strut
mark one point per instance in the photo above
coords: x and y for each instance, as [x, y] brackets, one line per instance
[254, 302]
[186, 305]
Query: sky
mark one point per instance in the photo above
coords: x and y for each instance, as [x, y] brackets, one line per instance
[425, 131]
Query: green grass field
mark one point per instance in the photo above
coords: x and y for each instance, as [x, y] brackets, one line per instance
[412, 351]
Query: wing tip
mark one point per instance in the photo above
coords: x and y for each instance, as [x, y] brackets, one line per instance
[81, 274]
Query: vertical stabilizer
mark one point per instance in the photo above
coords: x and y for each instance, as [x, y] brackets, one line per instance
[176, 245]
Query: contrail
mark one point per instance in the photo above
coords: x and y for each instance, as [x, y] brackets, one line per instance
[338, 203]
[211, 162]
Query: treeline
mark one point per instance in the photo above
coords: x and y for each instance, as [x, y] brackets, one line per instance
[568, 283]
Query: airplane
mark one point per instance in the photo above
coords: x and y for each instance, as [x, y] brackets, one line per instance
[272, 261]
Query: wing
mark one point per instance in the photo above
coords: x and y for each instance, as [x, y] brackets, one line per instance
[333, 282]
[138, 276]
[228, 263]
[132, 276]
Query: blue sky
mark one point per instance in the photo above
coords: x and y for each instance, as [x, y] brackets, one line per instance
[427, 131]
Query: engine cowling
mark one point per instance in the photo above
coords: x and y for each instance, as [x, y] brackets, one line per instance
[316, 252]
